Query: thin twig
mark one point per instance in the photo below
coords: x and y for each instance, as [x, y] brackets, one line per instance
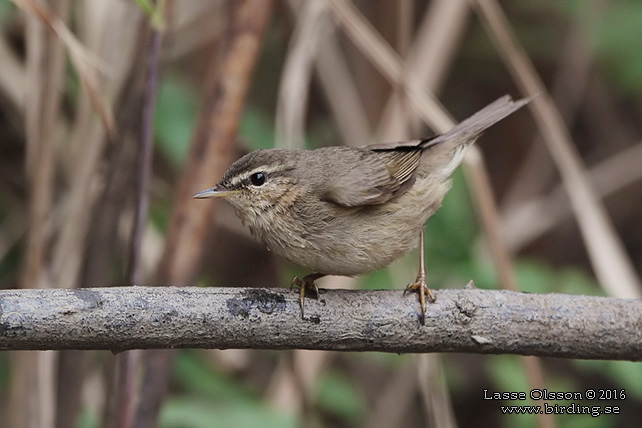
[144, 159]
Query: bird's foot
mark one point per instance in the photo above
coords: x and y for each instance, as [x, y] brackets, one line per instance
[307, 283]
[421, 286]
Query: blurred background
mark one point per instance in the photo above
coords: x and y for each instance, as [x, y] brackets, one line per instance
[84, 84]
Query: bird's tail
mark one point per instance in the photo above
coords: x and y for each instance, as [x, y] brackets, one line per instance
[453, 144]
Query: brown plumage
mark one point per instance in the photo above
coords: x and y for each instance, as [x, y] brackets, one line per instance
[345, 210]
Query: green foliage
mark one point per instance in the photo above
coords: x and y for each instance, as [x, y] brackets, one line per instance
[256, 129]
[196, 377]
[617, 41]
[450, 232]
[87, 419]
[176, 114]
[174, 118]
[337, 396]
[199, 412]
[508, 375]
[378, 280]
[626, 374]
[623, 374]
[210, 399]
[6, 9]
[159, 212]
[153, 11]
[536, 277]
[575, 281]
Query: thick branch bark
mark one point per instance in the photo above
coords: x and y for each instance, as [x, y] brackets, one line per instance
[468, 320]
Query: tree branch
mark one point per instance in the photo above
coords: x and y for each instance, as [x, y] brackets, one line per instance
[469, 320]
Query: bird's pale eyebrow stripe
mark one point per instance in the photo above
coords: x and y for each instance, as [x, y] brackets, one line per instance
[268, 170]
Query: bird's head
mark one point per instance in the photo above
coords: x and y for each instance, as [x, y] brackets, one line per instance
[258, 184]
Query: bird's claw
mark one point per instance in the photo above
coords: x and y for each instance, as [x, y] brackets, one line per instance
[307, 283]
[296, 282]
[421, 286]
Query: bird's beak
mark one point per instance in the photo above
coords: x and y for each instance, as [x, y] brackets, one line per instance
[214, 192]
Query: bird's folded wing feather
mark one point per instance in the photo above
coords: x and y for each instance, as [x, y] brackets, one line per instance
[375, 178]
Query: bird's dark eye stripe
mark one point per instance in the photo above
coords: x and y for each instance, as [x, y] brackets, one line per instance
[258, 178]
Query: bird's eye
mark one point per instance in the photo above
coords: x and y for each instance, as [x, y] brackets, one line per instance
[258, 178]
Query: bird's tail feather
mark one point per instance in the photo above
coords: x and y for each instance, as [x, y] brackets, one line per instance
[450, 147]
[469, 129]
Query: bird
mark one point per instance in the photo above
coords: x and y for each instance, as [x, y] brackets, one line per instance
[348, 211]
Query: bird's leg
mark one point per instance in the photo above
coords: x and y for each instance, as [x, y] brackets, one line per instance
[420, 285]
[307, 283]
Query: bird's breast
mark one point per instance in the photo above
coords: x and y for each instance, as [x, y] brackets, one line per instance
[334, 240]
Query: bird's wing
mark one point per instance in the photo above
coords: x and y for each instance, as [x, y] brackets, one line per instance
[375, 178]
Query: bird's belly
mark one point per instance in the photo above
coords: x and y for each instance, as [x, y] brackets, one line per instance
[350, 255]
[354, 256]
[354, 241]
[349, 246]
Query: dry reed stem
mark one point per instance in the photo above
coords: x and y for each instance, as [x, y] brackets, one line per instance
[612, 266]
[191, 25]
[377, 50]
[568, 91]
[89, 139]
[341, 92]
[405, 25]
[93, 212]
[429, 58]
[338, 86]
[439, 409]
[85, 61]
[405, 29]
[312, 25]
[33, 376]
[293, 382]
[607, 177]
